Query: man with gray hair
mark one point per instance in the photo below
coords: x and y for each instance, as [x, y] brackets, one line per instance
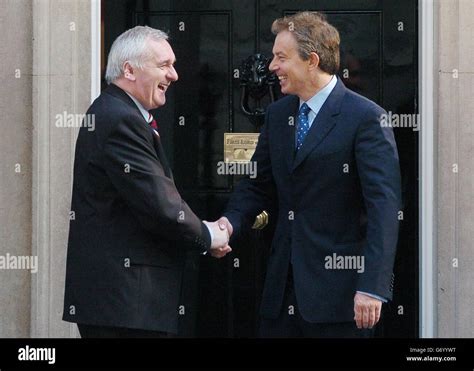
[131, 228]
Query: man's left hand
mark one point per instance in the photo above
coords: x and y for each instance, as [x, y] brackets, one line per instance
[366, 310]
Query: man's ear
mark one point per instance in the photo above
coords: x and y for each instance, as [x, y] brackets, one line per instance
[313, 61]
[128, 71]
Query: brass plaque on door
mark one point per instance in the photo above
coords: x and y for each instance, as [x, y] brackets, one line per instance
[239, 147]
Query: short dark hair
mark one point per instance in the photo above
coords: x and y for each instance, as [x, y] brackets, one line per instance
[313, 33]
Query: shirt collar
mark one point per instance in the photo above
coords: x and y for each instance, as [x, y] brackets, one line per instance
[146, 115]
[317, 100]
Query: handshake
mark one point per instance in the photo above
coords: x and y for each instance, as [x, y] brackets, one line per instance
[221, 231]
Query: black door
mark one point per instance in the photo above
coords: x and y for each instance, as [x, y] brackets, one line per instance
[211, 39]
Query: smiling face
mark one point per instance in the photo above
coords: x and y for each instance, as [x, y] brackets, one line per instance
[151, 82]
[292, 71]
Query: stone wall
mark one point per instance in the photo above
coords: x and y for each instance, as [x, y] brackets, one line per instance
[455, 168]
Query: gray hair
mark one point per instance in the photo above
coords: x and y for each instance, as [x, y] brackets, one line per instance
[131, 46]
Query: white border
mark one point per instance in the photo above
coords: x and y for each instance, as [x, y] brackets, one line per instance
[95, 49]
[427, 310]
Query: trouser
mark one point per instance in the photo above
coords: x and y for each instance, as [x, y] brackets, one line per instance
[290, 323]
[92, 331]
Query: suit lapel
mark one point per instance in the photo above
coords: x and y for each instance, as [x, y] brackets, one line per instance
[322, 124]
[289, 132]
[119, 93]
[161, 155]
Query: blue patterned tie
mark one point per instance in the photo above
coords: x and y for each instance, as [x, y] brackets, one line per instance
[303, 125]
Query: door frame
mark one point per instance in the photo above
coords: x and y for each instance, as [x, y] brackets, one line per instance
[427, 17]
[96, 25]
[427, 145]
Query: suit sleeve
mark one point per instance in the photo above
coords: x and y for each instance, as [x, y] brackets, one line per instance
[131, 163]
[252, 196]
[379, 173]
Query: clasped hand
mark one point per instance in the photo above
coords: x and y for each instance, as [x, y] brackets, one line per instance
[221, 230]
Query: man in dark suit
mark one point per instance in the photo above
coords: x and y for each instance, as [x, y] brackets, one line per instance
[130, 227]
[324, 159]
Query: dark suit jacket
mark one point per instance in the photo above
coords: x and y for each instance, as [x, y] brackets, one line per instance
[130, 227]
[340, 193]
